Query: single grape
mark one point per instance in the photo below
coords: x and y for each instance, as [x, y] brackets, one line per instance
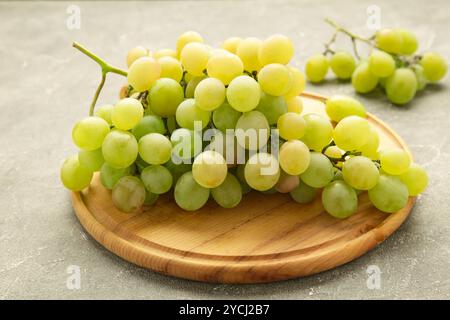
[303, 193]
[136, 53]
[92, 159]
[360, 172]
[89, 133]
[149, 124]
[298, 83]
[157, 179]
[128, 195]
[415, 179]
[389, 195]
[294, 104]
[194, 58]
[351, 133]
[434, 66]
[231, 44]
[394, 161]
[209, 94]
[110, 175]
[171, 68]
[252, 130]
[120, 149]
[363, 80]
[320, 171]
[104, 112]
[187, 37]
[294, 157]
[192, 85]
[401, 86]
[291, 126]
[143, 73]
[188, 113]
[75, 176]
[165, 96]
[243, 93]
[339, 106]
[272, 107]
[229, 193]
[186, 144]
[276, 49]
[177, 170]
[318, 131]
[150, 198]
[409, 42]
[316, 68]
[420, 77]
[247, 50]
[154, 148]
[165, 53]
[275, 79]
[381, 64]
[370, 148]
[262, 171]
[225, 117]
[127, 113]
[225, 67]
[333, 152]
[339, 199]
[189, 195]
[389, 40]
[342, 64]
[286, 183]
[209, 169]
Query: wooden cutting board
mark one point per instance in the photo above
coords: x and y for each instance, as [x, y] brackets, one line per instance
[267, 237]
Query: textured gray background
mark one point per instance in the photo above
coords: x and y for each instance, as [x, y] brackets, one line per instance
[45, 86]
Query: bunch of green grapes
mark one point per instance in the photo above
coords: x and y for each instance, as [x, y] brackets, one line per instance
[393, 65]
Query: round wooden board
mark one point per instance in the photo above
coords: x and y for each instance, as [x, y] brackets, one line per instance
[267, 237]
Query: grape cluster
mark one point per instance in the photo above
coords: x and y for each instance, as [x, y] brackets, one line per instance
[392, 64]
[184, 124]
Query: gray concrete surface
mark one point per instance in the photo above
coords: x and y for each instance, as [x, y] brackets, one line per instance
[45, 86]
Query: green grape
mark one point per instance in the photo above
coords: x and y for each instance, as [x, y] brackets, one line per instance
[343, 64]
[381, 64]
[409, 42]
[286, 183]
[186, 144]
[127, 113]
[338, 107]
[382, 82]
[248, 50]
[370, 148]
[104, 112]
[415, 179]
[149, 124]
[231, 44]
[318, 131]
[294, 104]
[209, 94]
[136, 53]
[420, 77]
[360, 172]
[93, 159]
[229, 193]
[128, 195]
[154, 148]
[240, 174]
[351, 133]
[243, 93]
[188, 113]
[171, 124]
[194, 58]
[316, 68]
[209, 169]
[434, 66]
[89, 133]
[165, 96]
[143, 73]
[150, 198]
[394, 161]
[75, 176]
[275, 79]
[120, 149]
[294, 157]
[157, 179]
[225, 67]
[225, 117]
[339, 199]
[333, 152]
[401, 86]
[185, 38]
[303, 193]
[271, 107]
[189, 195]
[276, 49]
[298, 83]
[171, 68]
[141, 164]
[110, 175]
[320, 171]
[389, 40]
[177, 170]
[192, 85]
[262, 171]
[363, 80]
[165, 53]
[389, 195]
[291, 126]
[252, 130]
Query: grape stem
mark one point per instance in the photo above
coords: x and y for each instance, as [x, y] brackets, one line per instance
[106, 68]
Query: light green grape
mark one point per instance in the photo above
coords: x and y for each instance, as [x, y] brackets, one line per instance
[209, 94]
[243, 93]
[149, 124]
[252, 130]
[229, 193]
[177, 170]
[294, 104]
[333, 152]
[272, 107]
[171, 68]
[154, 148]
[370, 148]
[89, 133]
[110, 175]
[225, 117]
[363, 80]
[225, 67]
[187, 37]
[298, 83]
[360, 173]
[409, 42]
[275, 79]
[92, 159]
[381, 64]
[316, 68]
[318, 133]
[186, 144]
[75, 176]
[320, 171]
[209, 169]
[165, 96]
[276, 49]
[104, 112]
[415, 179]
[120, 149]
[401, 86]
[420, 77]
[189, 195]
[303, 193]
[248, 50]
[395, 161]
[342, 64]
[128, 195]
[188, 112]
[231, 44]
[389, 195]
[157, 179]
[389, 40]
[127, 113]
[194, 58]
[150, 198]
[262, 171]
[286, 183]
[434, 66]
[339, 199]
[338, 107]
[291, 126]
[136, 53]
[294, 157]
[192, 85]
[143, 73]
[351, 133]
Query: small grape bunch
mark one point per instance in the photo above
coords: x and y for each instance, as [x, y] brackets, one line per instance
[392, 64]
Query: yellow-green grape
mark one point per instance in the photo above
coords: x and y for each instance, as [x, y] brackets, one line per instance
[339, 199]
[104, 112]
[370, 148]
[420, 77]
[209, 94]
[252, 130]
[316, 68]
[303, 193]
[188, 112]
[389, 40]
[291, 126]
[381, 64]
[157, 179]
[143, 73]
[338, 107]
[149, 124]
[127, 113]
[154, 148]
[194, 58]
[165, 53]
[360, 172]
[319, 172]
[275, 79]
[415, 179]
[225, 67]
[262, 171]
[110, 175]
[276, 49]
[333, 152]
[209, 169]
[243, 93]
[401, 86]
[351, 133]
[165, 96]
[298, 83]
[128, 195]
[187, 37]
[189, 195]
[93, 159]
[186, 144]
[74, 176]
[409, 42]
[229, 193]
[231, 44]
[89, 133]
[434, 66]
[272, 107]
[394, 161]
[247, 50]
[171, 68]
[294, 157]
[342, 64]
[318, 133]
[191, 85]
[120, 149]
[389, 195]
[225, 117]
[287, 183]
[136, 53]
[294, 104]
[363, 80]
